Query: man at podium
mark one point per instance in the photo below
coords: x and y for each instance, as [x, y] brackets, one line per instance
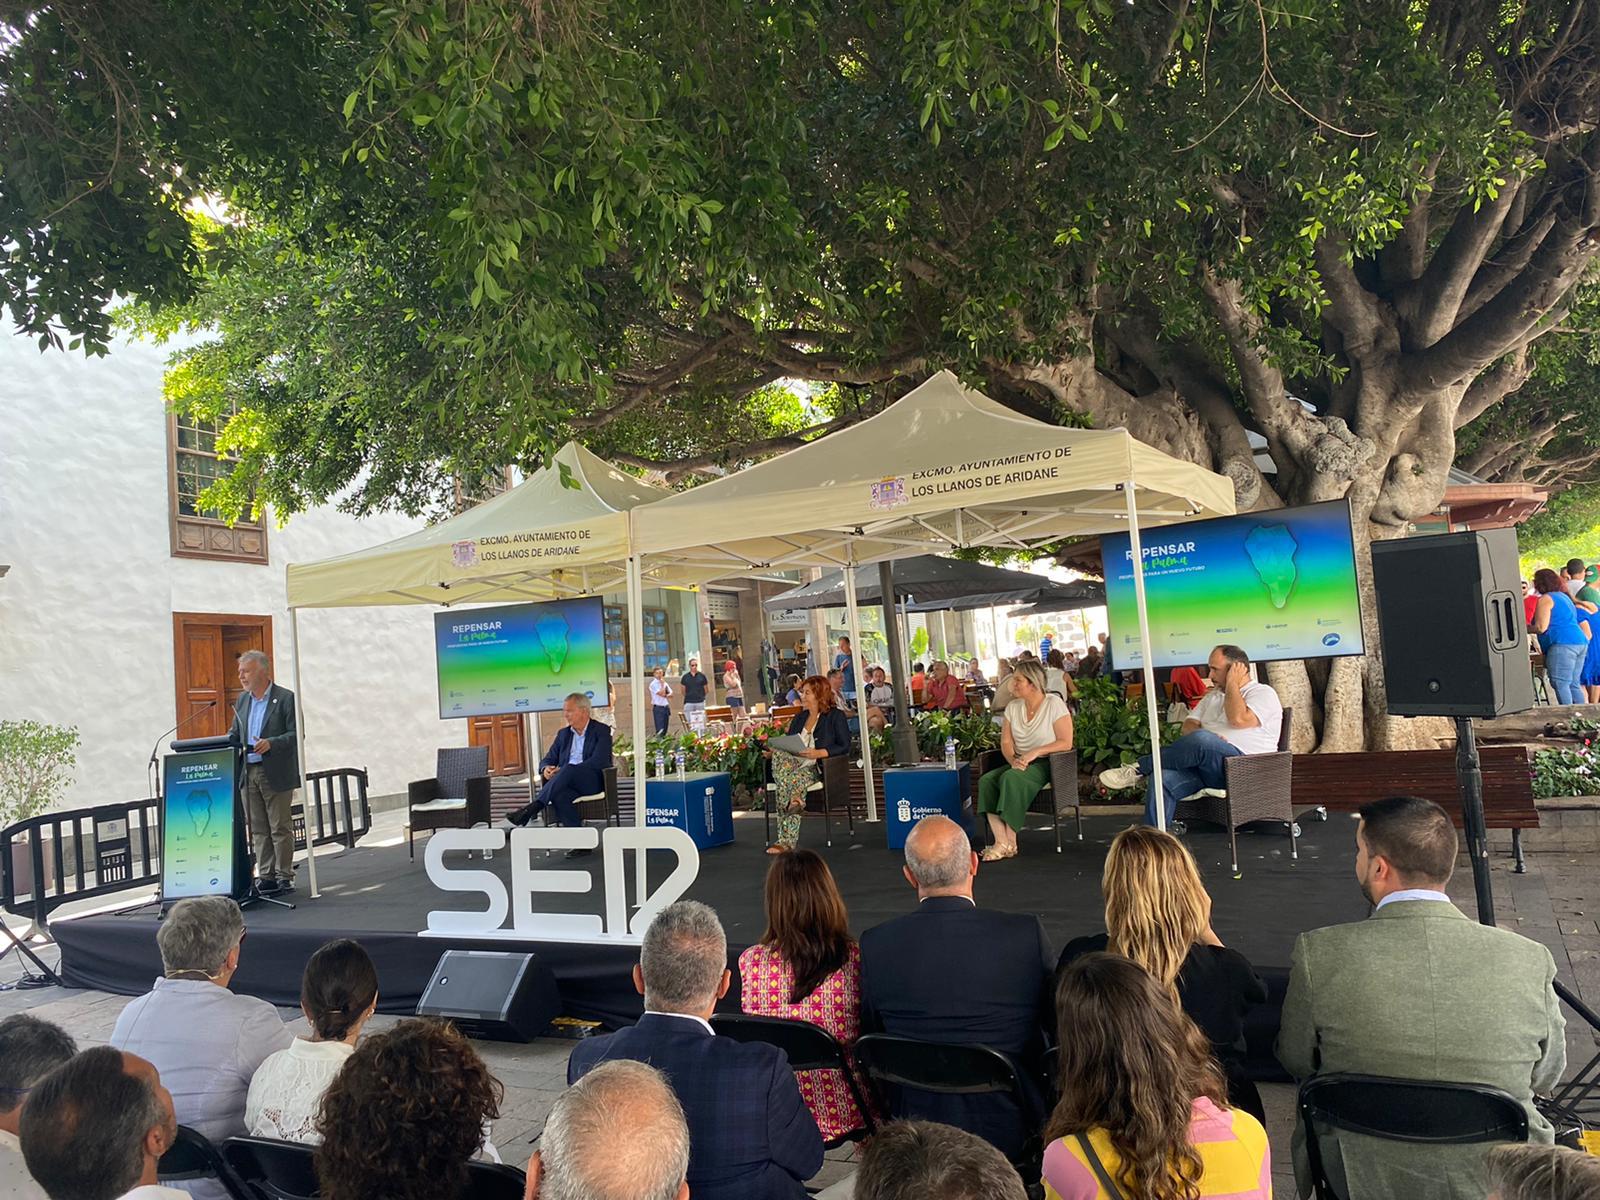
[263, 724]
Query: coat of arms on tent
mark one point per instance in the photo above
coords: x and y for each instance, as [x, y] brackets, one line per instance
[464, 554]
[888, 493]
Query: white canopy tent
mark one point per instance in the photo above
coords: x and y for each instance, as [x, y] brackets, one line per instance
[943, 468]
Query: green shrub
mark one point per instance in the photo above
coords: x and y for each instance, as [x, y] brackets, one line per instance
[1574, 772]
[36, 764]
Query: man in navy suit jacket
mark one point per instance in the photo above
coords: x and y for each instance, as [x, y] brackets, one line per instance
[572, 768]
[953, 972]
[751, 1136]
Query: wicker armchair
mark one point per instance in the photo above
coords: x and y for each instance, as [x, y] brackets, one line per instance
[834, 786]
[597, 806]
[1056, 797]
[1257, 788]
[457, 797]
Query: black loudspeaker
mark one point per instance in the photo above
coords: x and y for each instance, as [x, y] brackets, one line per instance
[490, 994]
[1455, 643]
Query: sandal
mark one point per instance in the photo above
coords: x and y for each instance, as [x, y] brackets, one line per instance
[992, 854]
[777, 848]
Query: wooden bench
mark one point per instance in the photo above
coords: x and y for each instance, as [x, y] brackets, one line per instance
[1344, 782]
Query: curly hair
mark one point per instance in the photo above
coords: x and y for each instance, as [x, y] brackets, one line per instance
[1132, 1064]
[404, 1116]
[826, 700]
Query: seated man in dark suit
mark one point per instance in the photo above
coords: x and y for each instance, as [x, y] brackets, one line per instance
[751, 1136]
[572, 768]
[953, 972]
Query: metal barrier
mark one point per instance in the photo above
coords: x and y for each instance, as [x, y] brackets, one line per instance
[60, 857]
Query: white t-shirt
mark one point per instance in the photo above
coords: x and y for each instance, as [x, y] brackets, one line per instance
[1211, 710]
[1028, 735]
[660, 690]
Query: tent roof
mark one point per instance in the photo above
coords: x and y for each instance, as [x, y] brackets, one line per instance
[943, 467]
[927, 581]
[562, 531]
[1051, 597]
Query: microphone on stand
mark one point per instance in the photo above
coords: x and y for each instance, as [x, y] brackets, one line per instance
[155, 751]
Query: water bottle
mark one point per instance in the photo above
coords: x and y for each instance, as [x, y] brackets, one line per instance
[661, 764]
[950, 754]
[677, 762]
[711, 810]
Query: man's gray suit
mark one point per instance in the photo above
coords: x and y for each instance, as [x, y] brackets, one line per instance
[268, 786]
[1419, 991]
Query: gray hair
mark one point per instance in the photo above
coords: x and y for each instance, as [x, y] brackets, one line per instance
[619, 1133]
[580, 700]
[84, 1127]
[683, 957]
[950, 861]
[1029, 669]
[1525, 1171]
[910, 1160]
[258, 657]
[198, 934]
[29, 1050]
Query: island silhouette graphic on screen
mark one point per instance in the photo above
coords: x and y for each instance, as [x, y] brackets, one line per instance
[1272, 549]
[199, 803]
[553, 632]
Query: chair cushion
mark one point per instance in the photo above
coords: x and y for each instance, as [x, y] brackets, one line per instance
[815, 787]
[439, 806]
[591, 796]
[1212, 793]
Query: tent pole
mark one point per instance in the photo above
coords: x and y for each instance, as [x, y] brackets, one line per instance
[300, 749]
[904, 739]
[1137, 551]
[636, 692]
[853, 618]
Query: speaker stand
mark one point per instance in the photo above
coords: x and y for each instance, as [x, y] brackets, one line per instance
[1470, 778]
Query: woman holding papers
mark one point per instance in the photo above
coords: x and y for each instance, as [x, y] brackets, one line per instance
[819, 730]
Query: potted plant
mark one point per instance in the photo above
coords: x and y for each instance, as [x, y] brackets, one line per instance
[36, 764]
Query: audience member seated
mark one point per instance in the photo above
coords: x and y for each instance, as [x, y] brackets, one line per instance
[879, 698]
[1159, 915]
[956, 973]
[1188, 685]
[921, 1160]
[1236, 716]
[573, 767]
[95, 1128]
[792, 696]
[205, 1041]
[405, 1116]
[617, 1134]
[1036, 725]
[1142, 1100]
[975, 673]
[338, 993]
[1418, 991]
[1057, 681]
[29, 1050]
[944, 691]
[807, 967]
[1533, 1172]
[919, 682]
[751, 1136]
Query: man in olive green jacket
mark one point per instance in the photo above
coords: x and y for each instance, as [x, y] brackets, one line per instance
[1418, 991]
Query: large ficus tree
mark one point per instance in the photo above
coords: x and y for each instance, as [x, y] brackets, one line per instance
[457, 232]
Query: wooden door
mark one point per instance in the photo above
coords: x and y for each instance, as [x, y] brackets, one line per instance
[507, 741]
[206, 648]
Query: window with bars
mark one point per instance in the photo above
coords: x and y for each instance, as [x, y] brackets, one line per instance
[195, 464]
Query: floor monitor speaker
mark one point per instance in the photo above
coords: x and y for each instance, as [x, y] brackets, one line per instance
[1455, 643]
[492, 994]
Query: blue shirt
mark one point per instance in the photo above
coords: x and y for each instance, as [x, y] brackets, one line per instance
[1412, 894]
[576, 755]
[256, 719]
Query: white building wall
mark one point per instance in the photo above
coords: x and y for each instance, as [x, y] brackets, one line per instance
[86, 631]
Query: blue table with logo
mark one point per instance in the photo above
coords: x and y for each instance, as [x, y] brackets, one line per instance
[700, 803]
[911, 793]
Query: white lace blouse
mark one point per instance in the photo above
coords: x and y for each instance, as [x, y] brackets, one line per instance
[287, 1088]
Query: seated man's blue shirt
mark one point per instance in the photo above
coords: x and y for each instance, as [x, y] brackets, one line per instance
[576, 754]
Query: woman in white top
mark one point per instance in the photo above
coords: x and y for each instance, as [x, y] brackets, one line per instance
[660, 699]
[1036, 725]
[338, 994]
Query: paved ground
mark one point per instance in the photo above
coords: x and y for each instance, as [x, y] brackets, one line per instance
[1557, 902]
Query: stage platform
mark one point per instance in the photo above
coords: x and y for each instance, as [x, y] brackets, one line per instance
[376, 895]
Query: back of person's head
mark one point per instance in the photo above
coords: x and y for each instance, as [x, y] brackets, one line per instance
[404, 1115]
[806, 919]
[619, 1133]
[939, 855]
[1575, 568]
[198, 934]
[918, 667]
[683, 958]
[88, 1126]
[1156, 906]
[1415, 835]
[1056, 659]
[1525, 1171]
[1132, 1064]
[1546, 581]
[29, 1050]
[339, 985]
[918, 1160]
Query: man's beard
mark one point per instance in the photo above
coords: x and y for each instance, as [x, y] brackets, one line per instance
[1366, 891]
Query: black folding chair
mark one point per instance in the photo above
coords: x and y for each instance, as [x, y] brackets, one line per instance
[192, 1156]
[270, 1170]
[952, 1070]
[809, 1048]
[1419, 1112]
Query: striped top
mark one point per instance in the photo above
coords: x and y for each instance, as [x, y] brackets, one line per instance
[1232, 1146]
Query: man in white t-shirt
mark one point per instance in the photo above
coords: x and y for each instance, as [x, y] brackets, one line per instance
[1235, 716]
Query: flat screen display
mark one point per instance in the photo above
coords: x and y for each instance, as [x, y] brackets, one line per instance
[1279, 583]
[197, 824]
[519, 658]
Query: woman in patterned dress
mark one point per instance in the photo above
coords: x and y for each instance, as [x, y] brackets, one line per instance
[822, 727]
[807, 967]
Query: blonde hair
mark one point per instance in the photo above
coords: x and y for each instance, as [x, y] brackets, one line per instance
[1156, 906]
[1031, 671]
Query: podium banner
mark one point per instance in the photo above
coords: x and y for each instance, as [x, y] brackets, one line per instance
[197, 824]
